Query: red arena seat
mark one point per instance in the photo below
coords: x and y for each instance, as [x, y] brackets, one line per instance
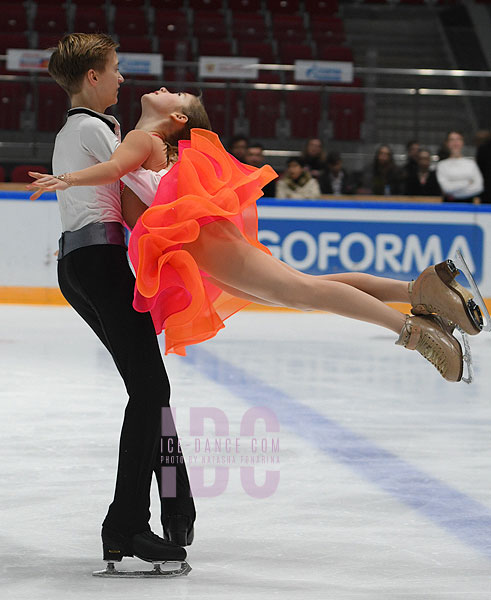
[135, 43]
[21, 173]
[52, 107]
[12, 40]
[12, 102]
[289, 53]
[173, 5]
[215, 48]
[178, 76]
[304, 111]
[48, 41]
[206, 4]
[51, 20]
[216, 102]
[131, 3]
[171, 24]
[174, 49]
[2, 174]
[327, 30]
[129, 106]
[247, 5]
[340, 53]
[90, 20]
[209, 25]
[346, 111]
[321, 7]
[14, 18]
[289, 28]
[263, 110]
[130, 21]
[261, 50]
[283, 6]
[249, 27]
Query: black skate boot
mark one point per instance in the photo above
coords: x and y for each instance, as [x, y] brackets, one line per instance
[115, 545]
[178, 529]
[145, 545]
[152, 548]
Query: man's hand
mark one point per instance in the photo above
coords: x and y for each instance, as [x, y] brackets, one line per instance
[45, 183]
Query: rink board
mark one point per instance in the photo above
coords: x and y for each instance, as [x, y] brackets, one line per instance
[394, 240]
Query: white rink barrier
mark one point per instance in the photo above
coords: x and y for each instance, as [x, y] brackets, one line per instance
[389, 239]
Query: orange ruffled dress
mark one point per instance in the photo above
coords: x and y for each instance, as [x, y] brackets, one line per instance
[205, 185]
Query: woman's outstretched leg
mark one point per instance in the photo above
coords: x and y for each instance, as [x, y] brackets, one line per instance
[382, 288]
[222, 252]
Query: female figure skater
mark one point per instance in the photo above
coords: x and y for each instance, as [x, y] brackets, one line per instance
[198, 260]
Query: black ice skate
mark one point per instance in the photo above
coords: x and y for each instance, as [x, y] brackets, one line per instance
[178, 529]
[148, 547]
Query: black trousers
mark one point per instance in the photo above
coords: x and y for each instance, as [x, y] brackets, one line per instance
[97, 281]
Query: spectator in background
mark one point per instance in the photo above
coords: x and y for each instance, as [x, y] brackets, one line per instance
[383, 177]
[411, 166]
[423, 181]
[459, 177]
[238, 147]
[482, 136]
[483, 160]
[297, 182]
[334, 179]
[314, 156]
[255, 158]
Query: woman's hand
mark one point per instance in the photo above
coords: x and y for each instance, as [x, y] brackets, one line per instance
[45, 183]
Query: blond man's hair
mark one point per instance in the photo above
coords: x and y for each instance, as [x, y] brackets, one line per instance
[77, 53]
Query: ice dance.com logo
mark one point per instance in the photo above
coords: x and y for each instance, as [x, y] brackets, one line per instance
[390, 249]
[215, 454]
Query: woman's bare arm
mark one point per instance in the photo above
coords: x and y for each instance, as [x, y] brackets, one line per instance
[130, 154]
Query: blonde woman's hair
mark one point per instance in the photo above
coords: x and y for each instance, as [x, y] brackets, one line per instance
[77, 53]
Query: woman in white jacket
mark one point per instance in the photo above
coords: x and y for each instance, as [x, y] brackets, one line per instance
[459, 177]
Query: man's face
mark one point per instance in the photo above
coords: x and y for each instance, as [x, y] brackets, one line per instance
[294, 170]
[413, 151]
[336, 167]
[424, 160]
[239, 150]
[109, 80]
[255, 156]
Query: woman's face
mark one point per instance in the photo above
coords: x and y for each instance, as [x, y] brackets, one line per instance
[314, 147]
[383, 155]
[164, 102]
[455, 143]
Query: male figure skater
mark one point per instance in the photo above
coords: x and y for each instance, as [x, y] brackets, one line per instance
[95, 278]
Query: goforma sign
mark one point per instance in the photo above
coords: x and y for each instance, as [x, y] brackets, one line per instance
[390, 243]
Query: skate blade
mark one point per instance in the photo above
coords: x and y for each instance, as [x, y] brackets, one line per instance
[481, 305]
[468, 374]
[157, 571]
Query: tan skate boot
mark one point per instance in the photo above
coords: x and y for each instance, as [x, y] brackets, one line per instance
[436, 291]
[433, 340]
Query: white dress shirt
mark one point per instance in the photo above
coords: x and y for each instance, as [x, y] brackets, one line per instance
[459, 177]
[88, 138]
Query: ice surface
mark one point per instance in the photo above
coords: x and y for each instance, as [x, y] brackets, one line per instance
[384, 488]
